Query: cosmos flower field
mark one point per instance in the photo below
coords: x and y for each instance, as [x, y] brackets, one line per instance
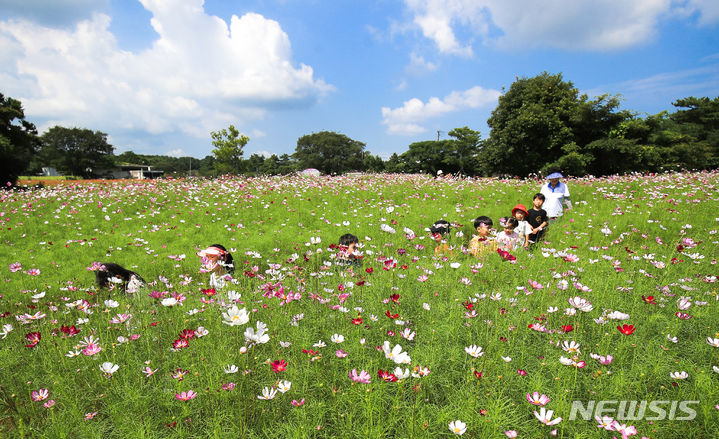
[618, 303]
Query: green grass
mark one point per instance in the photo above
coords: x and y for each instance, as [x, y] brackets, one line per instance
[61, 231]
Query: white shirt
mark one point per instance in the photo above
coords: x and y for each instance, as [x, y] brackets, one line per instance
[523, 229]
[554, 198]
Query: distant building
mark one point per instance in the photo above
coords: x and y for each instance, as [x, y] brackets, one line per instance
[137, 172]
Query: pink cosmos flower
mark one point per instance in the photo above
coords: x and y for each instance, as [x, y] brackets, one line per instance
[15, 266]
[362, 377]
[90, 415]
[49, 403]
[228, 386]
[340, 353]
[299, 403]
[536, 399]
[535, 285]
[91, 349]
[39, 395]
[148, 372]
[186, 396]
[34, 272]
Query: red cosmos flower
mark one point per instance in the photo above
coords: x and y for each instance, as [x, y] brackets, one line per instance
[391, 316]
[567, 328]
[387, 376]
[180, 343]
[478, 374]
[680, 248]
[309, 352]
[187, 334]
[627, 249]
[33, 338]
[394, 298]
[341, 287]
[69, 330]
[360, 283]
[279, 365]
[154, 323]
[357, 321]
[649, 299]
[626, 329]
[468, 305]
[209, 291]
[522, 372]
[249, 273]
[369, 270]
[506, 255]
[390, 333]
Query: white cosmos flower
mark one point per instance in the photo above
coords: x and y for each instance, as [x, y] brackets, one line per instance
[400, 374]
[108, 368]
[457, 427]
[671, 339]
[230, 368]
[455, 265]
[507, 359]
[617, 315]
[235, 316]
[284, 386]
[571, 346]
[715, 369]
[337, 338]
[268, 393]
[395, 354]
[169, 301]
[679, 375]
[713, 342]
[474, 350]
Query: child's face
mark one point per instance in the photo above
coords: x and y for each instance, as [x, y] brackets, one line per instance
[508, 230]
[519, 215]
[538, 203]
[483, 230]
[352, 248]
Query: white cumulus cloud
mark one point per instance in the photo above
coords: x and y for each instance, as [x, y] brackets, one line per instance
[565, 24]
[407, 119]
[200, 73]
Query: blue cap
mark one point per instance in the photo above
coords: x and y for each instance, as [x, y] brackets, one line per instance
[554, 175]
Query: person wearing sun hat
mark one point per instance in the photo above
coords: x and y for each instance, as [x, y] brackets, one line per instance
[218, 261]
[523, 229]
[556, 196]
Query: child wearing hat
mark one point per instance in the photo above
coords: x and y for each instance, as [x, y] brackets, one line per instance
[523, 229]
[219, 262]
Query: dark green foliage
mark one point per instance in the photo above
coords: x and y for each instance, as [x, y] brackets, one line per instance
[330, 152]
[18, 140]
[75, 151]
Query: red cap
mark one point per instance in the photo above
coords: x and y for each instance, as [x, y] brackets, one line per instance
[520, 207]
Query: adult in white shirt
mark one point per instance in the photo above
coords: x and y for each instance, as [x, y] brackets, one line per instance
[556, 196]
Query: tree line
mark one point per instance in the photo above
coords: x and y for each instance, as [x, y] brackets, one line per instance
[540, 123]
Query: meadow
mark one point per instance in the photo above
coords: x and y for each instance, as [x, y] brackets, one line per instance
[617, 303]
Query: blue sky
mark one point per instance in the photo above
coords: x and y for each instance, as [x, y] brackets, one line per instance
[159, 75]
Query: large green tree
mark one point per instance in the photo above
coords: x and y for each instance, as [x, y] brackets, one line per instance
[541, 120]
[76, 151]
[329, 152]
[228, 145]
[18, 140]
[462, 154]
[699, 118]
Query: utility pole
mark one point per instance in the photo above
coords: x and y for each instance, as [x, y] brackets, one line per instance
[190, 166]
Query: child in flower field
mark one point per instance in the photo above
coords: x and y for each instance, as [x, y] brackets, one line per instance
[537, 218]
[347, 254]
[219, 262]
[482, 243]
[523, 228]
[440, 232]
[509, 239]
